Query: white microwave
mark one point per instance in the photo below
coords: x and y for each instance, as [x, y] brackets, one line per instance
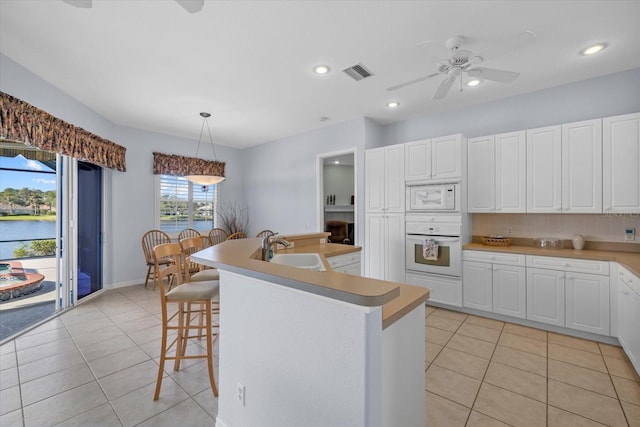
[433, 198]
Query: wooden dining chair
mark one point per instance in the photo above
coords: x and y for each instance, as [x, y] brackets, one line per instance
[192, 299]
[217, 235]
[196, 272]
[265, 233]
[189, 232]
[238, 235]
[149, 240]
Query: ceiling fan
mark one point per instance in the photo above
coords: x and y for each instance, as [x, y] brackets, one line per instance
[191, 6]
[464, 61]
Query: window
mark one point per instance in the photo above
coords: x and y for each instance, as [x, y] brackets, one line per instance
[182, 204]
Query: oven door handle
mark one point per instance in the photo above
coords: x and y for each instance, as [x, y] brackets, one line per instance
[422, 237]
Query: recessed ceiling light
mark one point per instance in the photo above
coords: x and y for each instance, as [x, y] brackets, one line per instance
[337, 162]
[321, 69]
[474, 82]
[324, 118]
[393, 104]
[592, 50]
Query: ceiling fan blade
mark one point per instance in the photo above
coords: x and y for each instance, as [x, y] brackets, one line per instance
[191, 6]
[84, 4]
[418, 80]
[444, 87]
[494, 75]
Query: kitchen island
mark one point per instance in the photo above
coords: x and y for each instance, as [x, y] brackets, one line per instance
[300, 347]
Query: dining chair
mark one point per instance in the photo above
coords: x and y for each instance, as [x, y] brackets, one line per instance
[196, 272]
[150, 239]
[339, 232]
[217, 235]
[238, 235]
[192, 299]
[265, 233]
[189, 232]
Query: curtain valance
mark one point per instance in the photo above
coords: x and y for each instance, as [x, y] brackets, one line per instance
[22, 122]
[171, 164]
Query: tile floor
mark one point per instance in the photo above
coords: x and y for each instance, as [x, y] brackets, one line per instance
[482, 372]
[96, 365]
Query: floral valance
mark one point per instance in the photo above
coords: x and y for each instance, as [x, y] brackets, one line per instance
[170, 164]
[22, 122]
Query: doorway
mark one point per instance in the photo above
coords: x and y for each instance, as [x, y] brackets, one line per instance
[337, 196]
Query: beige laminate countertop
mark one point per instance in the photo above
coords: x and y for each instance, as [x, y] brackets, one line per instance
[630, 260]
[243, 256]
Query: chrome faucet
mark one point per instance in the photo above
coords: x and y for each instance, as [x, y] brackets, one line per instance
[267, 253]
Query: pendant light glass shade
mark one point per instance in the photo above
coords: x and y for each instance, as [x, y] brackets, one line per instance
[199, 176]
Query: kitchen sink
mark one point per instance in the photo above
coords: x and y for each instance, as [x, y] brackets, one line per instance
[306, 261]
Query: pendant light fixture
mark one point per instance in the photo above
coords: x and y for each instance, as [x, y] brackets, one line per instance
[200, 176]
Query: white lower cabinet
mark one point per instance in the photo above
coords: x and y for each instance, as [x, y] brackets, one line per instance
[384, 247]
[545, 296]
[587, 302]
[443, 289]
[477, 288]
[629, 314]
[346, 263]
[510, 291]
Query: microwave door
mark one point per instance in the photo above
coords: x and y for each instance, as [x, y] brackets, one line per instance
[425, 199]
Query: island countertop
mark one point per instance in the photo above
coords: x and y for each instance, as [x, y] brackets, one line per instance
[243, 256]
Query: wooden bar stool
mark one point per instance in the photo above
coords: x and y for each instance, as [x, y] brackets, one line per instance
[187, 296]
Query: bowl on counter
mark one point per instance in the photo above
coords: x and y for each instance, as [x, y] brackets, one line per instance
[548, 242]
[496, 241]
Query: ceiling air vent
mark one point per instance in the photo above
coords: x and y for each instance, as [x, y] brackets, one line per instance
[357, 72]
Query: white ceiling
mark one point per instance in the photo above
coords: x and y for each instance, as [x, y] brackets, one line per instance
[151, 65]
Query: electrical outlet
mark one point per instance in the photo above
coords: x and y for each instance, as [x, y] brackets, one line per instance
[629, 233]
[241, 393]
[509, 230]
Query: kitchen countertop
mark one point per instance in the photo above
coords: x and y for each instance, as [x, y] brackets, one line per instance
[630, 260]
[243, 257]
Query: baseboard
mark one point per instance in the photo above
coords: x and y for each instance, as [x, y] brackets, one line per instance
[124, 284]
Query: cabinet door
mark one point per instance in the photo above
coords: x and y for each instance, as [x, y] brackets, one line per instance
[417, 163]
[394, 248]
[510, 172]
[374, 250]
[477, 288]
[545, 296]
[587, 299]
[544, 170]
[509, 291]
[446, 160]
[629, 318]
[620, 160]
[443, 290]
[394, 178]
[482, 165]
[374, 180]
[582, 167]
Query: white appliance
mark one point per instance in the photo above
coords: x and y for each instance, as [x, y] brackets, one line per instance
[433, 198]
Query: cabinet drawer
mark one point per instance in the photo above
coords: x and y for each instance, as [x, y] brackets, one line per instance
[342, 260]
[569, 264]
[494, 257]
[629, 279]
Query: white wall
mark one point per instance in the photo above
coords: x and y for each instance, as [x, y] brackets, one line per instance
[338, 180]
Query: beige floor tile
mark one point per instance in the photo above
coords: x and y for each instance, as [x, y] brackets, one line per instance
[451, 314]
[193, 379]
[560, 418]
[443, 322]
[574, 356]
[463, 363]
[127, 380]
[7, 348]
[477, 419]
[628, 391]
[208, 401]
[44, 337]
[49, 365]
[573, 342]
[186, 413]
[117, 361]
[9, 400]
[612, 351]
[471, 345]
[86, 340]
[632, 413]
[484, 322]
[53, 410]
[440, 412]
[621, 368]
[8, 360]
[452, 385]
[9, 378]
[581, 377]
[45, 350]
[437, 336]
[106, 348]
[102, 416]
[586, 403]
[530, 345]
[479, 332]
[58, 382]
[428, 310]
[521, 359]
[12, 419]
[431, 351]
[510, 407]
[525, 331]
[518, 381]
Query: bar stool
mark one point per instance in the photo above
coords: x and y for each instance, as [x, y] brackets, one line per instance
[187, 296]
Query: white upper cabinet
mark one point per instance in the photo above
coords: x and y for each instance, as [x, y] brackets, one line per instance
[582, 167]
[544, 170]
[384, 179]
[620, 164]
[434, 159]
[497, 173]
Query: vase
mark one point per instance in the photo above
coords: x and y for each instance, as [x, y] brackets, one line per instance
[578, 242]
